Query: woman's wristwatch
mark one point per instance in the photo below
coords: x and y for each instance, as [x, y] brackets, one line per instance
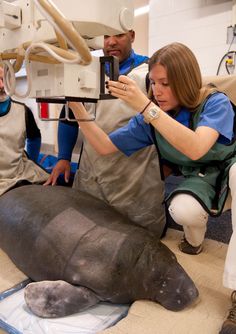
[151, 114]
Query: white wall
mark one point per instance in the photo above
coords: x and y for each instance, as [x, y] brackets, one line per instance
[140, 44]
[200, 24]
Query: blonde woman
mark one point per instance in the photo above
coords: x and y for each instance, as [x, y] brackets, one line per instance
[193, 128]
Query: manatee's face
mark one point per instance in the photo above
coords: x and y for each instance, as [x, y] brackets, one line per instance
[175, 290]
[170, 285]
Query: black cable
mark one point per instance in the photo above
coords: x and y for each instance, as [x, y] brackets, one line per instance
[226, 67]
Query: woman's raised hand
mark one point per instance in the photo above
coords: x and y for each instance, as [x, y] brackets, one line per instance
[127, 90]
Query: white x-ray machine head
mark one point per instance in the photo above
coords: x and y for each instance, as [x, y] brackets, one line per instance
[54, 39]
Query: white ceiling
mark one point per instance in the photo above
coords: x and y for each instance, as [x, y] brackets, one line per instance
[137, 3]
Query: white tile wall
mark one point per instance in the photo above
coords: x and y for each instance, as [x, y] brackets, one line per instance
[200, 24]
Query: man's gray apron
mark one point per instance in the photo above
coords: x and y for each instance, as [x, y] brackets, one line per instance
[131, 185]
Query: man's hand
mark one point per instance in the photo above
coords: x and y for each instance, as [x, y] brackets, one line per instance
[62, 167]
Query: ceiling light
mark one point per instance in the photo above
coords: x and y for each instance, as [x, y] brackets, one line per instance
[141, 10]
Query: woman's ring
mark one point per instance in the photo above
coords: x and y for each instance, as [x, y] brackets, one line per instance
[124, 87]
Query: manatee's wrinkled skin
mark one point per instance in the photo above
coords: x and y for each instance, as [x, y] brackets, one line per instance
[80, 251]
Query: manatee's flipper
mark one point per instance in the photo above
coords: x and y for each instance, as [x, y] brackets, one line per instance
[52, 299]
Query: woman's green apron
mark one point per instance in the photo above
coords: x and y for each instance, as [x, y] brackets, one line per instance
[207, 178]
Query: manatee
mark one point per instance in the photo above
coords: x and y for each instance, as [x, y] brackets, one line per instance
[79, 251]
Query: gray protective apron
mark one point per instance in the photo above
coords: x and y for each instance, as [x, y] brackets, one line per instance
[133, 185]
[14, 163]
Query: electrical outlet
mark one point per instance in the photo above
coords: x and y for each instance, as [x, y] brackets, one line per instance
[231, 35]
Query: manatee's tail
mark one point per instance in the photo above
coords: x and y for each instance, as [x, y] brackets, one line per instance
[53, 299]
